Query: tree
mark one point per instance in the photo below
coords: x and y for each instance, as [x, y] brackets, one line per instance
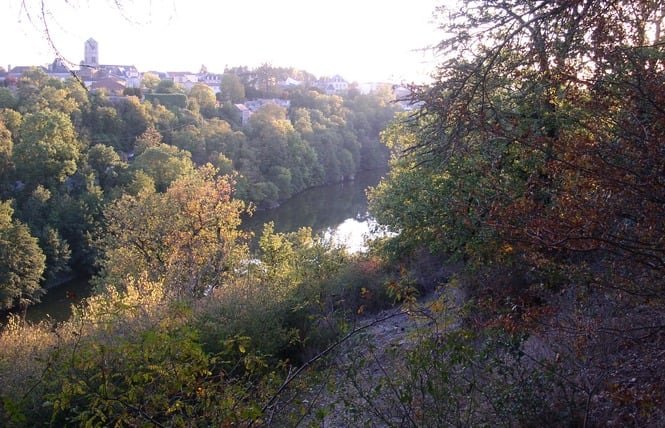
[12, 120]
[164, 163]
[106, 163]
[150, 138]
[150, 81]
[140, 182]
[555, 106]
[136, 119]
[29, 88]
[219, 136]
[47, 150]
[7, 99]
[106, 125]
[187, 237]
[283, 159]
[191, 139]
[232, 89]
[57, 253]
[168, 86]
[6, 150]
[21, 262]
[205, 97]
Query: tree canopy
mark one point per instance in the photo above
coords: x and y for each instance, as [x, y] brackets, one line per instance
[543, 125]
[66, 153]
[21, 262]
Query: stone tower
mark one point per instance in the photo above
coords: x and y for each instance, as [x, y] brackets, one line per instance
[91, 53]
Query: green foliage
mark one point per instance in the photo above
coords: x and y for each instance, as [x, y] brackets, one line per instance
[12, 120]
[149, 81]
[184, 329]
[523, 161]
[140, 182]
[512, 158]
[160, 376]
[205, 98]
[164, 164]
[57, 254]
[232, 89]
[7, 99]
[150, 138]
[135, 119]
[47, 151]
[21, 262]
[168, 100]
[6, 152]
[139, 354]
[168, 86]
[274, 301]
[129, 358]
[106, 163]
[443, 207]
[190, 138]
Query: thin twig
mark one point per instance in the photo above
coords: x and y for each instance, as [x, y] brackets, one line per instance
[319, 356]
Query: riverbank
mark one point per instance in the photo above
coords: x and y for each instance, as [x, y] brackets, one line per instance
[338, 211]
[56, 304]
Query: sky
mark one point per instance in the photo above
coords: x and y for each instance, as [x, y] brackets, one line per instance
[362, 40]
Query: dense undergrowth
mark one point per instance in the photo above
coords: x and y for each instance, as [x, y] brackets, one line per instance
[142, 356]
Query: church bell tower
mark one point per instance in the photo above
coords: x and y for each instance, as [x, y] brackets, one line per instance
[91, 53]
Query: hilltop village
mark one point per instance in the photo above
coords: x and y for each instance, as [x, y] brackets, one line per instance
[121, 80]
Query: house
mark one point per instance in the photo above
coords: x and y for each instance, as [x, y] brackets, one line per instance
[372, 87]
[254, 105]
[91, 70]
[126, 73]
[289, 83]
[17, 72]
[109, 85]
[244, 112]
[183, 78]
[212, 80]
[333, 85]
[58, 70]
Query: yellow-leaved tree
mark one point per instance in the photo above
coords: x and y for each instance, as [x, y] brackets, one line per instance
[187, 237]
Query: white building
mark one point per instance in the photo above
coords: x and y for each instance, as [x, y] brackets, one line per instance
[212, 80]
[333, 85]
[245, 113]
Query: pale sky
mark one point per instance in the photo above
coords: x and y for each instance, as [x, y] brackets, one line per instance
[362, 40]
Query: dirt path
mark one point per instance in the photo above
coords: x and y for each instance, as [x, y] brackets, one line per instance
[362, 372]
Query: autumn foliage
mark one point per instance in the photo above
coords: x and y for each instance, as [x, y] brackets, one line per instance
[545, 131]
[538, 158]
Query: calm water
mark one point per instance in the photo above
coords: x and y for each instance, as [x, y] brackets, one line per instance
[57, 302]
[338, 211]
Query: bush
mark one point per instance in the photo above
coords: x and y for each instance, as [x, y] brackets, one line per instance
[168, 100]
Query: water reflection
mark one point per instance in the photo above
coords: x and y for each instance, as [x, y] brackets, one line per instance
[338, 212]
[352, 233]
[57, 303]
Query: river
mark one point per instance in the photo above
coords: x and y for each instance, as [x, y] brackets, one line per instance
[337, 211]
